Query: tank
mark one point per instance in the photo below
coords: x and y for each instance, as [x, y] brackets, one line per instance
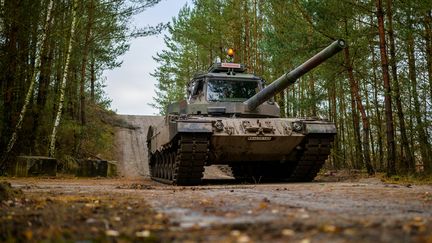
[229, 118]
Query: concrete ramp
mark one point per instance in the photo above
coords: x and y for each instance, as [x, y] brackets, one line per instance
[132, 145]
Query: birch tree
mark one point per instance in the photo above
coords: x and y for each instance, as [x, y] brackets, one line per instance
[51, 150]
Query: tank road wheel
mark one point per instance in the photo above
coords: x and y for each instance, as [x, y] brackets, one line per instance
[316, 150]
[151, 163]
[168, 166]
[165, 166]
[160, 166]
[154, 164]
[158, 161]
[171, 164]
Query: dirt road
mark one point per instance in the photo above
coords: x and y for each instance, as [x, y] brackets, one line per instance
[134, 208]
[363, 211]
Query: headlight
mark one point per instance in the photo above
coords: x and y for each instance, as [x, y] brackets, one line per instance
[297, 126]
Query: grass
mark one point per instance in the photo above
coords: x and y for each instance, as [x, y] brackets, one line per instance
[415, 179]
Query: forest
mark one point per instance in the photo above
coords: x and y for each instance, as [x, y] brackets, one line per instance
[52, 55]
[378, 91]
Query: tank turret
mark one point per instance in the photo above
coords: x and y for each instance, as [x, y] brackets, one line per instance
[289, 78]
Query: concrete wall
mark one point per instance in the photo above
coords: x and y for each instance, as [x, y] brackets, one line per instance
[131, 145]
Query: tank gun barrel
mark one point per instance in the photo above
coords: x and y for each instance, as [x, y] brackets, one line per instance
[289, 78]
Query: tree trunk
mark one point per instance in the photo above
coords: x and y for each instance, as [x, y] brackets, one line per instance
[92, 79]
[357, 153]
[255, 38]
[247, 46]
[420, 129]
[334, 117]
[280, 98]
[427, 22]
[84, 62]
[428, 38]
[370, 114]
[44, 81]
[407, 156]
[391, 165]
[376, 103]
[51, 150]
[366, 128]
[344, 130]
[313, 108]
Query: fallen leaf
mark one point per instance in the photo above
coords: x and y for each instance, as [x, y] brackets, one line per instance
[112, 233]
[243, 239]
[328, 228]
[28, 234]
[288, 232]
[143, 234]
[91, 221]
[262, 205]
[230, 215]
[350, 232]
[205, 202]
[90, 205]
[159, 216]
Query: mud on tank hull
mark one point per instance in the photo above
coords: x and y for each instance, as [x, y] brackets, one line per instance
[257, 149]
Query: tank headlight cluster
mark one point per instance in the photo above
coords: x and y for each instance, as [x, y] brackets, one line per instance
[219, 125]
[297, 126]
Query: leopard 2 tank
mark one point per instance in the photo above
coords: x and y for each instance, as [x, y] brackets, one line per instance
[229, 118]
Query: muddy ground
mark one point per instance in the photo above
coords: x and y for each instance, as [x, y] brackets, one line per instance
[132, 208]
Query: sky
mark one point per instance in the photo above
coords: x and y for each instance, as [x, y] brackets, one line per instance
[130, 87]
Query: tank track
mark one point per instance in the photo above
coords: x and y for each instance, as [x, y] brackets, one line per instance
[316, 150]
[182, 161]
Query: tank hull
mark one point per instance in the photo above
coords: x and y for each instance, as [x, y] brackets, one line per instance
[265, 147]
